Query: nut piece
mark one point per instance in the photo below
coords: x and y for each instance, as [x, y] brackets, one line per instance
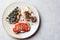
[33, 19]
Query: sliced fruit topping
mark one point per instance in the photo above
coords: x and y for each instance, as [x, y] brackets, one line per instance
[21, 27]
[28, 14]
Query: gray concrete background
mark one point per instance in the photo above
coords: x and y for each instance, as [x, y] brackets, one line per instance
[50, 19]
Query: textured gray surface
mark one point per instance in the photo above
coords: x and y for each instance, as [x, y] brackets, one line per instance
[50, 22]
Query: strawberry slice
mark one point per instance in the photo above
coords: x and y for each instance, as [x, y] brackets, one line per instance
[16, 30]
[25, 27]
[19, 27]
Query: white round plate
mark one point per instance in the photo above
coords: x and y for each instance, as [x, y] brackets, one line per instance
[8, 27]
